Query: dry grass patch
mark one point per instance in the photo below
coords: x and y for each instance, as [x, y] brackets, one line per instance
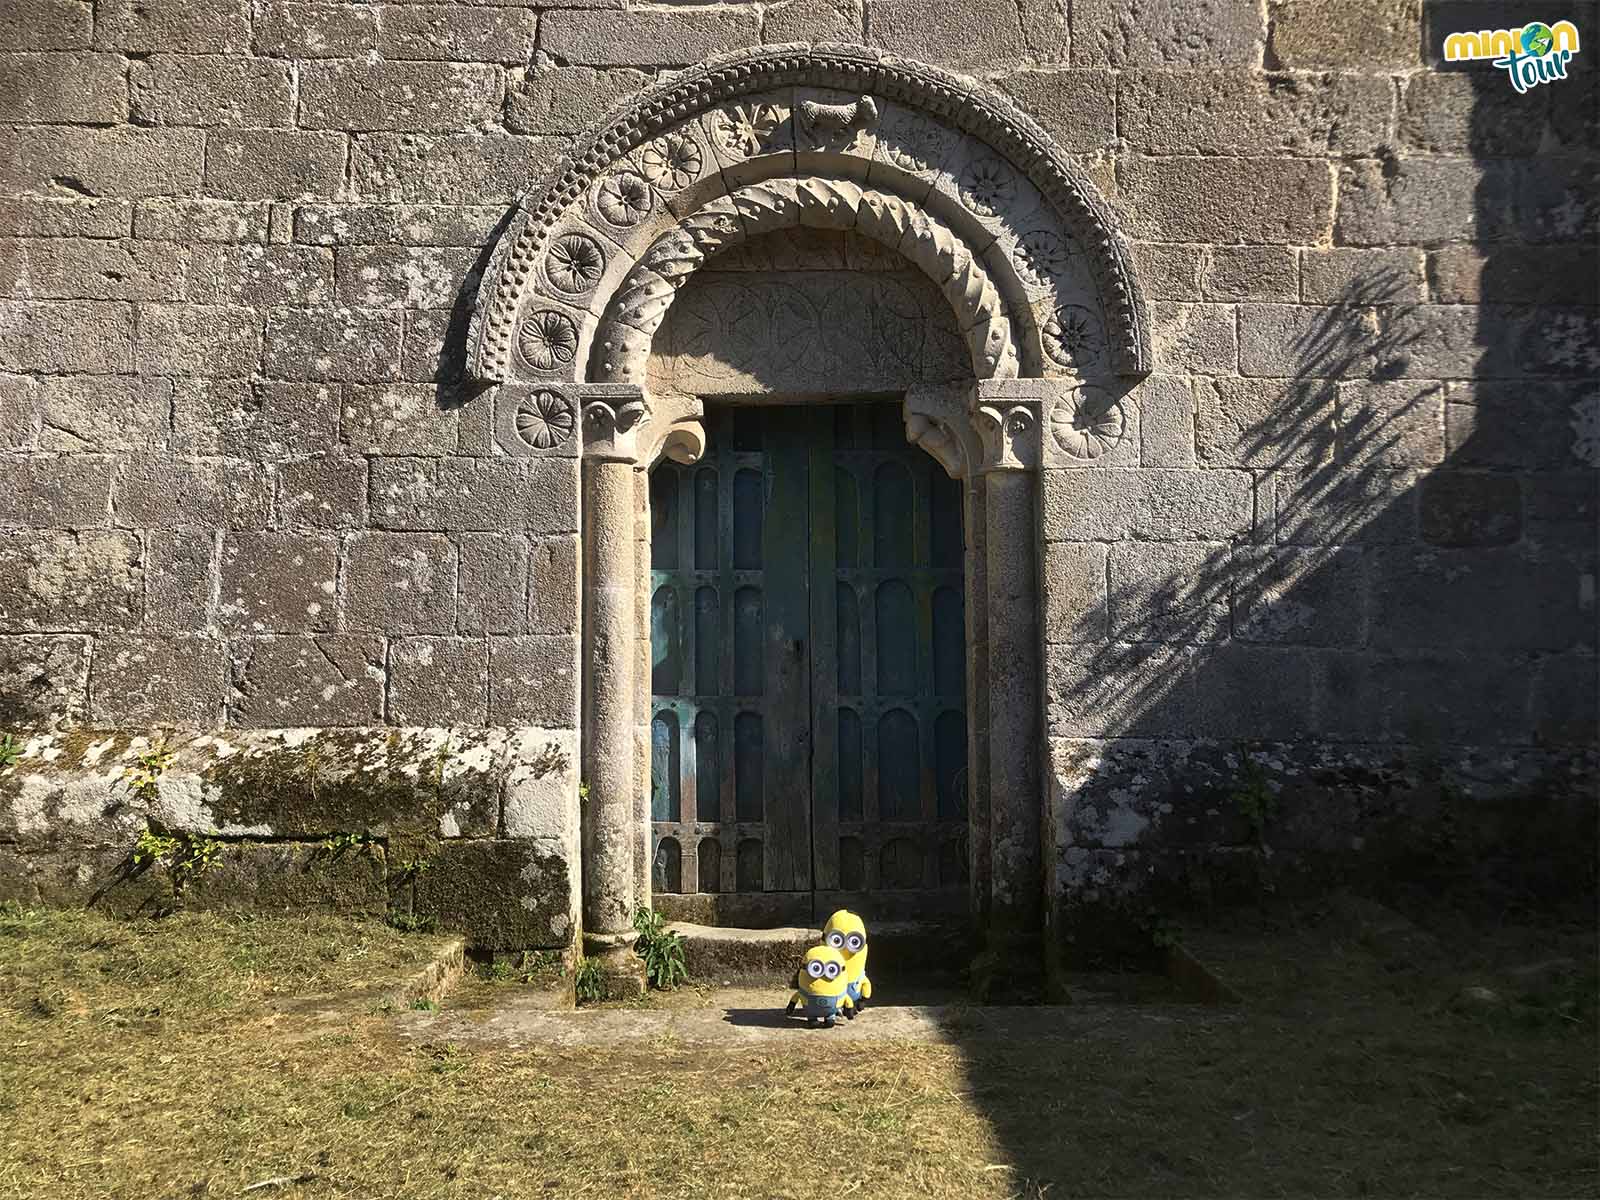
[156, 1067]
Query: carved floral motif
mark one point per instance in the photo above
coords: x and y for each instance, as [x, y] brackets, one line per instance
[915, 144]
[987, 186]
[547, 339]
[625, 199]
[1088, 423]
[545, 420]
[671, 162]
[575, 263]
[746, 129]
[1040, 257]
[916, 135]
[1072, 338]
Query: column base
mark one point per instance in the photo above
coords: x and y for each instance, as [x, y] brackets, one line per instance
[621, 970]
[1010, 970]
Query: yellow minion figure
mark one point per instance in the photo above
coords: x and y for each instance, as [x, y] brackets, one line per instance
[820, 986]
[847, 933]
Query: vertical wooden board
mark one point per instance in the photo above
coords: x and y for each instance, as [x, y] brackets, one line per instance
[899, 767]
[787, 751]
[709, 872]
[688, 767]
[925, 691]
[706, 511]
[893, 516]
[847, 626]
[666, 873]
[749, 774]
[947, 536]
[749, 518]
[897, 639]
[748, 874]
[826, 666]
[750, 643]
[949, 659]
[950, 734]
[850, 765]
[707, 641]
[664, 765]
[708, 767]
[666, 642]
[847, 518]
[664, 517]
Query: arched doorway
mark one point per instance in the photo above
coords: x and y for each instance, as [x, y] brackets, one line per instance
[937, 170]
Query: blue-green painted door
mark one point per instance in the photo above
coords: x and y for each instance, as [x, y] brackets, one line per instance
[808, 726]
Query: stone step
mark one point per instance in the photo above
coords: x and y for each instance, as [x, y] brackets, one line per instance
[924, 952]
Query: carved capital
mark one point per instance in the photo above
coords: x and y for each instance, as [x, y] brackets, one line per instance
[1007, 415]
[613, 414]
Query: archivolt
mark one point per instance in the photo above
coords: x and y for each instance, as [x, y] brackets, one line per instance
[640, 305]
[982, 199]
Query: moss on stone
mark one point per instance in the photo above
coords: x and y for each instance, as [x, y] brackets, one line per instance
[503, 895]
[392, 783]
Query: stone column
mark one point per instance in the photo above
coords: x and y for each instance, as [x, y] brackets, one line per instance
[1007, 415]
[611, 415]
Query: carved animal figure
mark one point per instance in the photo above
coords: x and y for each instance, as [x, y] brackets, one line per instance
[830, 120]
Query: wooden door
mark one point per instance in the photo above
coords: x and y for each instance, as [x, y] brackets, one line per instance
[808, 736]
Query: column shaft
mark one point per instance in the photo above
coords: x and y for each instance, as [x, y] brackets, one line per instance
[609, 699]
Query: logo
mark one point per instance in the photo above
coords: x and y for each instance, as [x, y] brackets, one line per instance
[1534, 54]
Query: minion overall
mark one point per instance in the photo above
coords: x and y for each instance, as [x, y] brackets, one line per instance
[820, 986]
[847, 933]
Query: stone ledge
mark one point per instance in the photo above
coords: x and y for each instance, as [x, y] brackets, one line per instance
[72, 788]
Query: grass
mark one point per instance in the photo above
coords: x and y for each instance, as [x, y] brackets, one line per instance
[146, 1060]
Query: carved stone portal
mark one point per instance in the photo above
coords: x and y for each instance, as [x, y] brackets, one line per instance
[947, 179]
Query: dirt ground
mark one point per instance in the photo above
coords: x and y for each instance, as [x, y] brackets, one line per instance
[159, 1059]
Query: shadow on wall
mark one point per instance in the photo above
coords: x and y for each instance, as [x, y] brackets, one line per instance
[1390, 680]
[1390, 683]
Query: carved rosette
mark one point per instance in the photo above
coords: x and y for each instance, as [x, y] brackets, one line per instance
[536, 420]
[1087, 423]
[1073, 338]
[674, 137]
[547, 340]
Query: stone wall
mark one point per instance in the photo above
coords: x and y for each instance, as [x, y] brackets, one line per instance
[243, 488]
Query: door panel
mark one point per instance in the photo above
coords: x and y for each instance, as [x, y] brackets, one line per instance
[887, 799]
[808, 735]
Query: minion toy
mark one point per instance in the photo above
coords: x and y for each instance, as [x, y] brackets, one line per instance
[820, 986]
[847, 933]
